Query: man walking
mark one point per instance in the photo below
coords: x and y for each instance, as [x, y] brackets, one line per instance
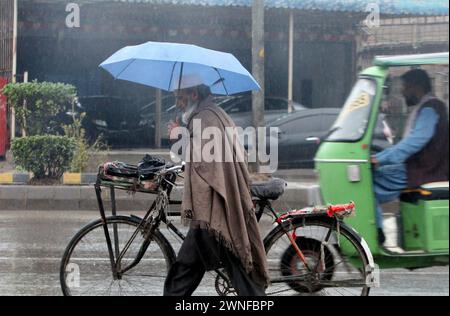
[217, 205]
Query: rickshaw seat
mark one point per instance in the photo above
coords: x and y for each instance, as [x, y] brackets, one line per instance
[269, 190]
[429, 191]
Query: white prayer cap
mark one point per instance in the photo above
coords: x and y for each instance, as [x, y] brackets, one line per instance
[187, 81]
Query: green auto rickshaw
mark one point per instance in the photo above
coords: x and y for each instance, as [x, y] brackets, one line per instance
[343, 163]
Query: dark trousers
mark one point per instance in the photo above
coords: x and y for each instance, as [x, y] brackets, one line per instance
[199, 253]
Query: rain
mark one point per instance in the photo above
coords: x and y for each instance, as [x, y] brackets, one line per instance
[309, 76]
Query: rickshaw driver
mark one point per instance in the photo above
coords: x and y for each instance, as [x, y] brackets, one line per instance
[423, 154]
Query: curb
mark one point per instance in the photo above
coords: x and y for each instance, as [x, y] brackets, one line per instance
[70, 178]
[83, 198]
[14, 178]
[10, 178]
[79, 178]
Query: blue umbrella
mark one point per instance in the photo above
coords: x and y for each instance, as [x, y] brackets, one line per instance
[166, 65]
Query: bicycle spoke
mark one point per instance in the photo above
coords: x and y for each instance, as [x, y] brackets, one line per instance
[95, 286]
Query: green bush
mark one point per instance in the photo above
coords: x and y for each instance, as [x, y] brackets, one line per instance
[46, 156]
[37, 105]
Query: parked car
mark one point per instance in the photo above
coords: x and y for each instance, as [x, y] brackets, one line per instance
[123, 122]
[295, 150]
[116, 118]
[240, 109]
[300, 135]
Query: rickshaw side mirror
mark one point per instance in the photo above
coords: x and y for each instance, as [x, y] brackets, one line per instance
[314, 139]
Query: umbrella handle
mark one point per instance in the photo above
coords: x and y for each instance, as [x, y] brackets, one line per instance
[181, 75]
[221, 79]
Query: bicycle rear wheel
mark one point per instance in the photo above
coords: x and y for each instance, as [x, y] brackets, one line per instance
[86, 268]
[338, 263]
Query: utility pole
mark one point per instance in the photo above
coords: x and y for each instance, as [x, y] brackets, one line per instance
[258, 54]
[158, 106]
[291, 63]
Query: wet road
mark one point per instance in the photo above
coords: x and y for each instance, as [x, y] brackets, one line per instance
[32, 244]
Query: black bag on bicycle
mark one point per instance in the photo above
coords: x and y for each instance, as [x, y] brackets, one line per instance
[149, 166]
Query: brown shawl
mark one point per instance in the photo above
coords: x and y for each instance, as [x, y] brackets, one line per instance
[217, 197]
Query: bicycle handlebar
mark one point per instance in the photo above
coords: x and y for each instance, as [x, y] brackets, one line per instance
[176, 169]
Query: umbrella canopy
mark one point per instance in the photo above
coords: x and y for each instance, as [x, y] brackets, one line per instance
[167, 65]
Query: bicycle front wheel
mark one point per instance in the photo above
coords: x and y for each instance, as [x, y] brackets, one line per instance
[336, 263]
[86, 268]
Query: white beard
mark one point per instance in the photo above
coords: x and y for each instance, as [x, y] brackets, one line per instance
[188, 113]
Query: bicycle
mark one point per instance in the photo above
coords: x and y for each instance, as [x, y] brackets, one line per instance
[310, 251]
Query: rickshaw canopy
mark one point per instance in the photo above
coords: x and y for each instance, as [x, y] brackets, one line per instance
[412, 60]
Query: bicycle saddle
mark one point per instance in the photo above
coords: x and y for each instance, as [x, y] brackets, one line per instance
[270, 190]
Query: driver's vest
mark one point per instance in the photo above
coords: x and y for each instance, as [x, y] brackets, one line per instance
[431, 163]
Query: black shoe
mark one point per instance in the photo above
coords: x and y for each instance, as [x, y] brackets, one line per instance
[381, 237]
